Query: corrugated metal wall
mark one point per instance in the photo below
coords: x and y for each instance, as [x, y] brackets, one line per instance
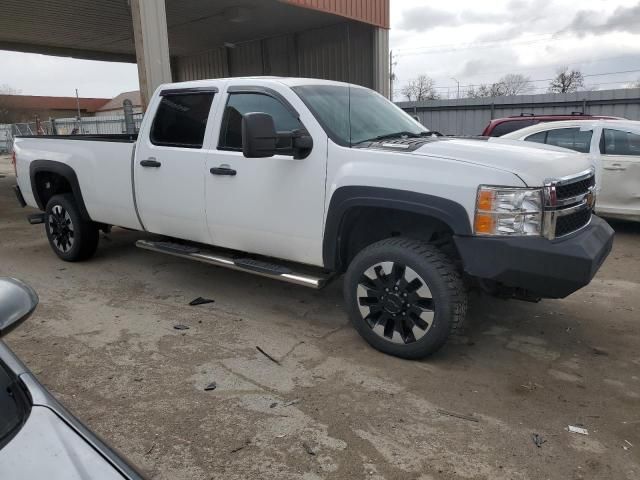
[373, 12]
[469, 116]
[341, 52]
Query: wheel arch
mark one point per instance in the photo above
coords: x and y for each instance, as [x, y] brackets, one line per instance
[348, 203]
[66, 182]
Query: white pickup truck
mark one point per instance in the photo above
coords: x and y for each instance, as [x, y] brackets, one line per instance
[303, 180]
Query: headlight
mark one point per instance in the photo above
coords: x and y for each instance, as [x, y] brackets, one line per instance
[508, 211]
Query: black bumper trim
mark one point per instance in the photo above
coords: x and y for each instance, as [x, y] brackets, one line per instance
[19, 196]
[547, 269]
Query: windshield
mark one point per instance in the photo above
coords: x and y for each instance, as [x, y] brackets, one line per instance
[351, 115]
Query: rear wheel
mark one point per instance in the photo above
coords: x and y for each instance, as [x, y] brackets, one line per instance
[405, 297]
[71, 238]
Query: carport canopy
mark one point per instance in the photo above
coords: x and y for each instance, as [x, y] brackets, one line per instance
[153, 32]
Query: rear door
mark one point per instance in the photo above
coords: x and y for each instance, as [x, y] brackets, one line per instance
[620, 151]
[169, 167]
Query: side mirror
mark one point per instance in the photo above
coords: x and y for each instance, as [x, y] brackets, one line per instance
[302, 144]
[259, 135]
[17, 302]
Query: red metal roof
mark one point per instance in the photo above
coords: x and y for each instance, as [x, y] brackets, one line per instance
[35, 102]
[374, 12]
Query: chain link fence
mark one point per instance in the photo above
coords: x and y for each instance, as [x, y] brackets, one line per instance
[66, 126]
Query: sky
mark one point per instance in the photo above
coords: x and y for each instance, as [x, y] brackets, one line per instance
[465, 42]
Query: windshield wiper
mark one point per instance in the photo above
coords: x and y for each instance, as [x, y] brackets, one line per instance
[395, 135]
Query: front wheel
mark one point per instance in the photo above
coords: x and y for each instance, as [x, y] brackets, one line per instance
[71, 238]
[405, 297]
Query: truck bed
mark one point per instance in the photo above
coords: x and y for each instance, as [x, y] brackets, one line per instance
[101, 163]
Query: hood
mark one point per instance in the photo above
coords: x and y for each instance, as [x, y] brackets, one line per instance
[533, 163]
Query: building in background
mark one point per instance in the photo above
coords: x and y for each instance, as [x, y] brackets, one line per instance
[114, 107]
[25, 108]
[174, 40]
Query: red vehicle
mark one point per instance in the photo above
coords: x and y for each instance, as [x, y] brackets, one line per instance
[501, 126]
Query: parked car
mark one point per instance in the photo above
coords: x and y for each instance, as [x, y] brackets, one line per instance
[39, 438]
[613, 147]
[302, 180]
[501, 126]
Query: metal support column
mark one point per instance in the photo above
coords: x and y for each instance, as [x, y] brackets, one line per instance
[381, 65]
[152, 45]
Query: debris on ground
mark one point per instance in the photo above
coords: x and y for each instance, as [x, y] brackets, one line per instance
[181, 327]
[531, 386]
[267, 355]
[599, 351]
[308, 449]
[246, 443]
[538, 440]
[211, 386]
[471, 418]
[138, 379]
[628, 443]
[273, 405]
[577, 429]
[200, 301]
[292, 402]
[150, 449]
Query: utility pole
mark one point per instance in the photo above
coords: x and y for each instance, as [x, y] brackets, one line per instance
[458, 96]
[392, 74]
[79, 117]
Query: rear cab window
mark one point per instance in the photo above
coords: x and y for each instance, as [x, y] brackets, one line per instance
[181, 119]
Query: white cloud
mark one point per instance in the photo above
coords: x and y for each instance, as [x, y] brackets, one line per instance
[483, 41]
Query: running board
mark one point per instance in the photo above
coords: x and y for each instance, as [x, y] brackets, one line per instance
[236, 262]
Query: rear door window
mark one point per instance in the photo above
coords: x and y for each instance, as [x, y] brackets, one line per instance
[619, 142]
[571, 138]
[181, 120]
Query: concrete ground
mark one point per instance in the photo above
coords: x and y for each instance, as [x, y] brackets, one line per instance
[103, 340]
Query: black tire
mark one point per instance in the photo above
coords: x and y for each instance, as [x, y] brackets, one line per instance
[71, 238]
[392, 311]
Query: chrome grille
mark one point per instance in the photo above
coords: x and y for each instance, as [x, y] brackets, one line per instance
[569, 204]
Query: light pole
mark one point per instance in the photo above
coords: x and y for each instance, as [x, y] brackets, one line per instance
[455, 80]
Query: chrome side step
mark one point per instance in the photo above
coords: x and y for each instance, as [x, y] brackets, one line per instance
[227, 259]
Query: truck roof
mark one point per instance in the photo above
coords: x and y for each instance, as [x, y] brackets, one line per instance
[264, 80]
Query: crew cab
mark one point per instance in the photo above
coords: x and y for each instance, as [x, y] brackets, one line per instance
[303, 180]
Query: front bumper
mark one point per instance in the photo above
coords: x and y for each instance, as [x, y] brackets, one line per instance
[19, 196]
[544, 268]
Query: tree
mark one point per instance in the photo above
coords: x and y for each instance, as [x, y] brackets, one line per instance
[515, 84]
[496, 89]
[566, 81]
[635, 84]
[419, 89]
[511, 84]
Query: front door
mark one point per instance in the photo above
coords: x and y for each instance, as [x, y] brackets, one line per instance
[269, 206]
[620, 194]
[169, 166]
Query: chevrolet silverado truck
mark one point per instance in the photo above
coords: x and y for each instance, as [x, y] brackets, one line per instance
[302, 180]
